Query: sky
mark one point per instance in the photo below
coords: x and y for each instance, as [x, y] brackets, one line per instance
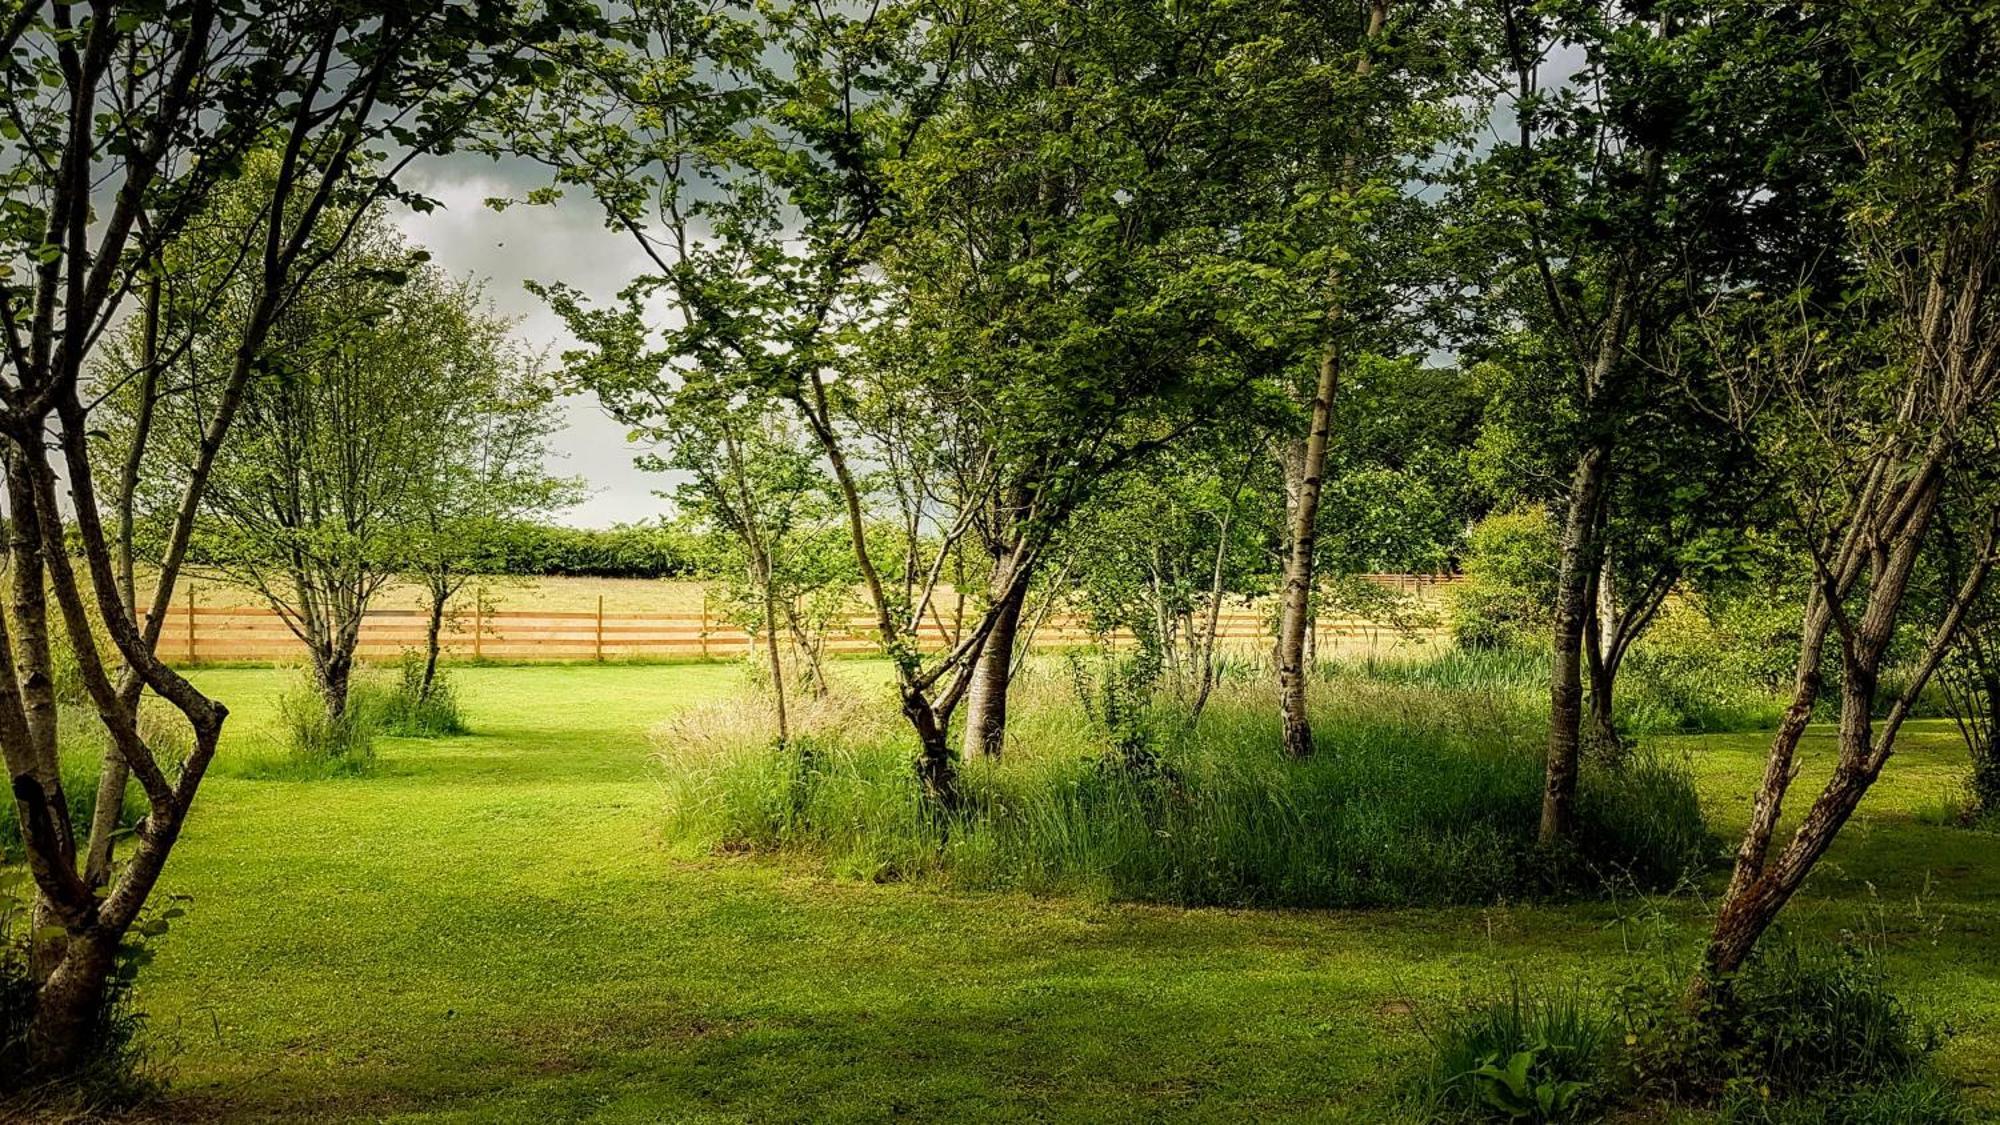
[565, 241]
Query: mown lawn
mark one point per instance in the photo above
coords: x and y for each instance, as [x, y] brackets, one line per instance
[489, 930]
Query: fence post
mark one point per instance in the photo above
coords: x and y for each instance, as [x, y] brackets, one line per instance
[600, 628]
[704, 622]
[190, 601]
[478, 619]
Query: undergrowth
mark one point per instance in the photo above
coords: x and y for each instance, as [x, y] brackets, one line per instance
[411, 710]
[1414, 796]
[1806, 1033]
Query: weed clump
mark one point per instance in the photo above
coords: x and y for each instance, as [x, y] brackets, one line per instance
[412, 709]
[315, 744]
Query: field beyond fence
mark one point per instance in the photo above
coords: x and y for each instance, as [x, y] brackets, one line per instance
[199, 632]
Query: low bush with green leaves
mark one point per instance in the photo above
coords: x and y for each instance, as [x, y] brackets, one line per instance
[1523, 1058]
[1805, 1034]
[1414, 796]
[1800, 1020]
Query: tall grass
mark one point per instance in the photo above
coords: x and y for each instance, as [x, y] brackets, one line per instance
[80, 745]
[1661, 689]
[1416, 795]
[312, 745]
[410, 711]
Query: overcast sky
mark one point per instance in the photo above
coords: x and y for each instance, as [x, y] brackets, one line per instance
[563, 242]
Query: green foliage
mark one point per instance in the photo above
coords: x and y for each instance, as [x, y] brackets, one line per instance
[641, 550]
[1800, 1029]
[409, 710]
[1510, 577]
[1808, 1033]
[1522, 1058]
[1678, 680]
[1415, 796]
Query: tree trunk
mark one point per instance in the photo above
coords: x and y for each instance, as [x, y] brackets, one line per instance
[1603, 728]
[935, 769]
[334, 672]
[69, 1004]
[433, 629]
[986, 700]
[776, 658]
[1572, 616]
[1295, 618]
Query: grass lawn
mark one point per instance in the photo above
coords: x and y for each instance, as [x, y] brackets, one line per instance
[489, 930]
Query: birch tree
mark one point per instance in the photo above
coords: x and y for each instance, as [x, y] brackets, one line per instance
[121, 124]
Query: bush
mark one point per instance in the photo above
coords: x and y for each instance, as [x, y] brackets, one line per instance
[411, 712]
[657, 550]
[318, 745]
[1415, 796]
[1522, 1058]
[1805, 1032]
[1510, 572]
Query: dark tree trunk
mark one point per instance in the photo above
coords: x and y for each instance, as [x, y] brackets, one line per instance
[334, 672]
[935, 769]
[986, 700]
[1575, 567]
[433, 631]
[1603, 729]
[69, 1006]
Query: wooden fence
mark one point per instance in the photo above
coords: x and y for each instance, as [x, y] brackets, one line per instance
[200, 634]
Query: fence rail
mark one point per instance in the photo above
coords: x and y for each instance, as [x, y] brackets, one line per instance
[199, 634]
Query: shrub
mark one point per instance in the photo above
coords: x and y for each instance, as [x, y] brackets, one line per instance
[1806, 1034]
[656, 550]
[1522, 1058]
[1806, 1031]
[1415, 796]
[408, 710]
[1510, 572]
[318, 745]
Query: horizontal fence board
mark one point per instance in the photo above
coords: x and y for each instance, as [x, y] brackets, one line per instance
[256, 633]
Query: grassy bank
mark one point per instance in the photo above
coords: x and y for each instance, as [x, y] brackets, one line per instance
[492, 928]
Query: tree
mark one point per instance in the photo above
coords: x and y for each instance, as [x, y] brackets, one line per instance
[754, 482]
[791, 213]
[1895, 397]
[121, 126]
[359, 442]
[1351, 100]
[480, 465]
[1680, 161]
[1162, 551]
